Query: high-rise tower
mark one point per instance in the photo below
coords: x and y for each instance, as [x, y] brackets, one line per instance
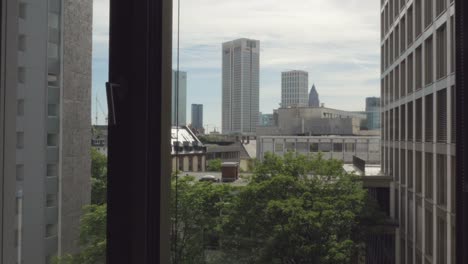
[240, 82]
[314, 97]
[179, 98]
[294, 86]
[197, 116]
[373, 113]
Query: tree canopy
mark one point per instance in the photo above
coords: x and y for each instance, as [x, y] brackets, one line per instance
[295, 209]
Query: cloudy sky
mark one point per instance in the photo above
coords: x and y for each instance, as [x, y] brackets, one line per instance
[336, 41]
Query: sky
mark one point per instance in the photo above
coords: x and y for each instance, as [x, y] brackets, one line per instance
[336, 41]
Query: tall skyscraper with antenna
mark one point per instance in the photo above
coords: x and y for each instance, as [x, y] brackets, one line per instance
[241, 84]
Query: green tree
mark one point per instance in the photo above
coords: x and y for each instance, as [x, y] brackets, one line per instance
[92, 237]
[98, 177]
[214, 165]
[195, 211]
[296, 209]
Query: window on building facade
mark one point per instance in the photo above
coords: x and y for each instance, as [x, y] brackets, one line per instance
[397, 82]
[418, 120]
[403, 166]
[441, 240]
[403, 78]
[441, 116]
[410, 70]
[325, 146]
[441, 5]
[418, 68]
[429, 61]
[410, 171]
[402, 34]
[428, 232]
[418, 17]
[452, 40]
[403, 122]
[410, 25]
[454, 119]
[418, 171]
[418, 225]
[428, 14]
[441, 175]
[397, 124]
[337, 147]
[428, 120]
[410, 123]
[441, 51]
[429, 175]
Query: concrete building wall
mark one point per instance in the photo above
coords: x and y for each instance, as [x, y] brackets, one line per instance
[8, 111]
[75, 188]
[51, 85]
[418, 126]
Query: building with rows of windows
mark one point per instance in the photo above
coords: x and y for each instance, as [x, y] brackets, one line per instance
[337, 147]
[418, 125]
[45, 125]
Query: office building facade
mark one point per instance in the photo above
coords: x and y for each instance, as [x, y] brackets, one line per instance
[314, 100]
[373, 113]
[179, 98]
[418, 125]
[46, 78]
[197, 116]
[294, 85]
[240, 84]
[337, 147]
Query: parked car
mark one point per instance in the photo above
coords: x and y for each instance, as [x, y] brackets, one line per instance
[208, 178]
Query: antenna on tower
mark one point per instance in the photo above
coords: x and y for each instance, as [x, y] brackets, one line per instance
[98, 105]
[96, 122]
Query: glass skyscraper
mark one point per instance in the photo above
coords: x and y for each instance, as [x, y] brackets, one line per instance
[241, 83]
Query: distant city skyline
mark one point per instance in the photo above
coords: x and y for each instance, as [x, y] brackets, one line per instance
[342, 58]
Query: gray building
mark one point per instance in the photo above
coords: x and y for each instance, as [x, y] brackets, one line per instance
[197, 117]
[418, 123]
[240, 84]
[336, 147]
[313, 121]
[314, 100]
[179, 98]
[373, 113]
[294, 85]
[45, 127]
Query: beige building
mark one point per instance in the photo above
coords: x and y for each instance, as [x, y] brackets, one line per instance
[313, 121]
[336, 147]
[188, 152]
[418, 125]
